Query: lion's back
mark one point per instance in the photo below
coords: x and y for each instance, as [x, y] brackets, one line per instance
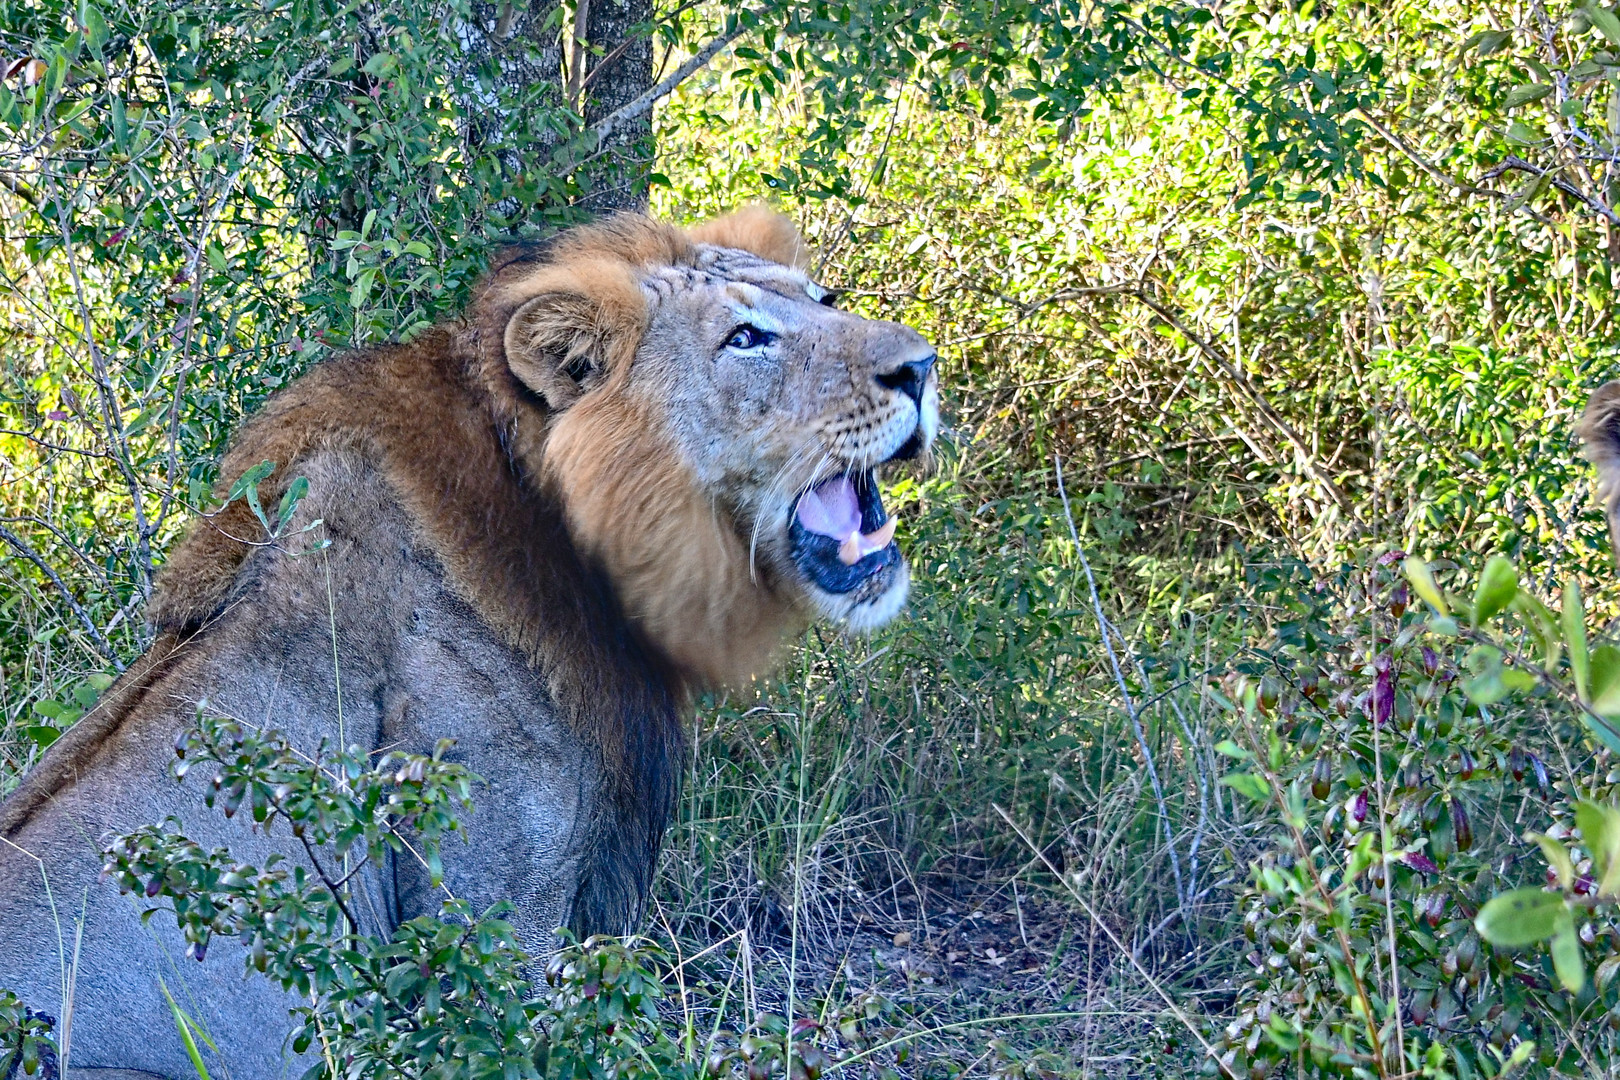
[370, 622]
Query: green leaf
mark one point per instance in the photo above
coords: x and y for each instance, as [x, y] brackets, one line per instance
[1600, 835]
[1605, 20]
[1255, 787]
[1417, 572]
[250, 479]
[1525, 94]
[120, 123]
[1605, 679]
[51, 710]
[1604, 730]
[1488, 686]
[1517, 679]
[1605, 696]
[289, 502]
[95, 28]
[1522, 917]
[1545, 625]
[42, 735]
[1232, 750]
[1522, 133]
[1498, 585]
[1566, 958]
[1574, 620]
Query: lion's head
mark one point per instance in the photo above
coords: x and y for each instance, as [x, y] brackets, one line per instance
[714, 426]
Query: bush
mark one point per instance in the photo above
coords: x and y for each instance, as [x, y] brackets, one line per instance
[1394, 752]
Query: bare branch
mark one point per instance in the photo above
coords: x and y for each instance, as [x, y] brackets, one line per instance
[19, 189]
[644, 103]
[1241, 380]
[577, 52]
[1596, 205]
[23, 548]
[1434, 171]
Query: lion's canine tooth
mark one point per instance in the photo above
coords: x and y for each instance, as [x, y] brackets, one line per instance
[849, 552]
[859, 545]
[879, 540]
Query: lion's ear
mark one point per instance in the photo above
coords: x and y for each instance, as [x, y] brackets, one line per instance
[756, 229]
[565, 341]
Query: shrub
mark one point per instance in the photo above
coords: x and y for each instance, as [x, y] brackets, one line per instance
[1394, 751]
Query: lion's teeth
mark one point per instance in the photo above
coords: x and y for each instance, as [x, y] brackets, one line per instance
[859, 545]
[849, 552]
[879, 540]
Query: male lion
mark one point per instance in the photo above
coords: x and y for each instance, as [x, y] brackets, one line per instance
[640, 458]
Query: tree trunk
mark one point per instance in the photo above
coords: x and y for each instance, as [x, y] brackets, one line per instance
[619, 69]
[607, 55]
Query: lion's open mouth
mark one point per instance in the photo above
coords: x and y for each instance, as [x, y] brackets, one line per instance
[840, 535]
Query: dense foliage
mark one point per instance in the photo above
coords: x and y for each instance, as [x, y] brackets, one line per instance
[1285, 290]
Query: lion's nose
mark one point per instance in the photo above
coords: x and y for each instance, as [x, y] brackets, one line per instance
[910, 377]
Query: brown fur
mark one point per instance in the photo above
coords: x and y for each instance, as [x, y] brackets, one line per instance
[583, 305]
[681, 571]
[425, 411]
[1600, 431]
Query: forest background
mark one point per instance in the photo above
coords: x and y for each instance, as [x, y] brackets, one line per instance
[1170, 769]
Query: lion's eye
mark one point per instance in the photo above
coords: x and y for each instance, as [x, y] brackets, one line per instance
[748, 337]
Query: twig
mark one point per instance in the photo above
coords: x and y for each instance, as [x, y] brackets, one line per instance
[576, 53]
[1462, 187]
[1241, 380]
[603, 64]
[1597, 206]
[1104, 627]
[63, 539]
[645, 101]
[1176, 914]
[19, 188]
[22, 548]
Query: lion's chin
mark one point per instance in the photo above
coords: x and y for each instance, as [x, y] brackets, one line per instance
[871, 604]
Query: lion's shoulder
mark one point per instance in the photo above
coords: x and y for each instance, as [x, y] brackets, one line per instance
[394, 404]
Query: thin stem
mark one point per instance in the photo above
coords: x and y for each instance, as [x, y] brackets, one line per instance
[1104, 627]
[644, 102]
[22, 548]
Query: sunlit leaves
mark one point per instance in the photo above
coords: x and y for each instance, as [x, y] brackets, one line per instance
[1498, 584]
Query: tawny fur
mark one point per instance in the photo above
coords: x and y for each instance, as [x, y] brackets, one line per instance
[682, 572]
[612, 471]
[1600, 431]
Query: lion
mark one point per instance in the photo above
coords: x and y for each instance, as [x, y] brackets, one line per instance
[640, 459]
[1599, 431]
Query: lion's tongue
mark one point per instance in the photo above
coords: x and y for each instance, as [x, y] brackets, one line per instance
[833, 508]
